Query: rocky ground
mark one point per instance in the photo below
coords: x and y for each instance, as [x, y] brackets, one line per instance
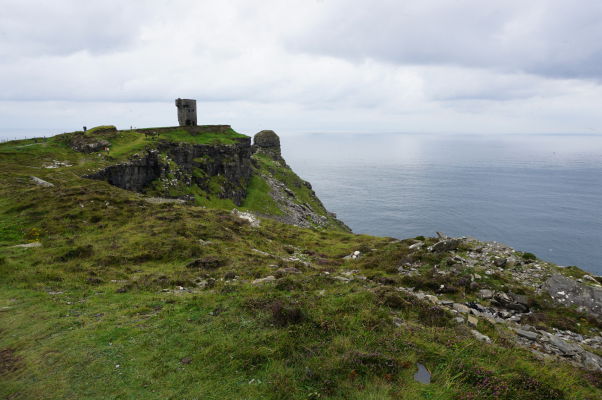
[513, 311]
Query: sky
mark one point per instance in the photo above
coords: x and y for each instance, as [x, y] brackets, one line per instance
[355, 66]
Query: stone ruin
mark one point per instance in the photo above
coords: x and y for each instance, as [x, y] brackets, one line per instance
[186, 112]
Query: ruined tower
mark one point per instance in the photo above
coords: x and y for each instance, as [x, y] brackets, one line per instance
[186, 112]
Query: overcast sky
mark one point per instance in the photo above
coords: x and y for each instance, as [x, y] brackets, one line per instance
[419, 66]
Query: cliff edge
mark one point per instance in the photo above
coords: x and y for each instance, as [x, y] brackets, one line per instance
[211, 166]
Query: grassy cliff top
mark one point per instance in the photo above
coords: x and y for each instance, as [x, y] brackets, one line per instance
[42, 152]
[203, 134]
[122, 298]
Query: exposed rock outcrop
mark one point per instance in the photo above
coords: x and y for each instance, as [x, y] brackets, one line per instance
[569, 292]
[230, 163]
[135, 174]
[295, 211]
[267, 142]
[89, 142]
[84, 144]
[41, 182]
[295, 197]
[181, 169]
[186, 164]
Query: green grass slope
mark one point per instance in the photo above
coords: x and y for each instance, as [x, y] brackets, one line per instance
[128, 300]
[260, 200]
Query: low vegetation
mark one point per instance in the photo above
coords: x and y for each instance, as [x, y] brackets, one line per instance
[127, 299]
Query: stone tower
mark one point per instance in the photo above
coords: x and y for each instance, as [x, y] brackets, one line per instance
[186, 112]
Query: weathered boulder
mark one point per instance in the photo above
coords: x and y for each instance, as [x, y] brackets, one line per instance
[83, 143]
[267, 142]
[500, 262]
[511, 302]
[29, 245]
[461, 308]
[267, 139]
[569, 292]
[527, 334]
[259, 281]
[445, 245]
[591, 361]
[563, 346]
[479, 336]
[41, 182]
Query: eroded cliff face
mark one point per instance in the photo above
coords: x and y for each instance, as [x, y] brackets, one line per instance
[173, 169]
[223, 170]
[135, 174]
[202, 173]
[294, 197]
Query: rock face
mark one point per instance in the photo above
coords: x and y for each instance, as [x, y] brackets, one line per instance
[87, 143]
[187, 164]
[177, 170]
[267, 142]
[295, 213]
[302, 210]
[135, 174]
[231, 164]
[83, 144]
[572, 293]
[511, 302]
[446, 245]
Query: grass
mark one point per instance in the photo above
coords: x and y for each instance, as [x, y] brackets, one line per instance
[101, 129]
[126, 143]
[183, 135]
[96, 312]
[258, 198]
[303, 194]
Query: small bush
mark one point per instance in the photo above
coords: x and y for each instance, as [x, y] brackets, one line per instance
[206, 263]
[371, 362]
[433, 316]
[78, 252]
[490, 386]
[289, 283]
[33, 234]
[284, 315]
[594, 378]
[529, 256]
[9, 361]
[392, 299]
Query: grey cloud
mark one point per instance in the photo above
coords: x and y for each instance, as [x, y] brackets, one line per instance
[550, 38]
[38, 28]
[412, 65]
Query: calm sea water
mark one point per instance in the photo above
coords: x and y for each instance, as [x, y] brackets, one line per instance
[536, 193]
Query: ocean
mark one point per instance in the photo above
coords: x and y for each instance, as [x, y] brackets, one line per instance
[536, 193]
